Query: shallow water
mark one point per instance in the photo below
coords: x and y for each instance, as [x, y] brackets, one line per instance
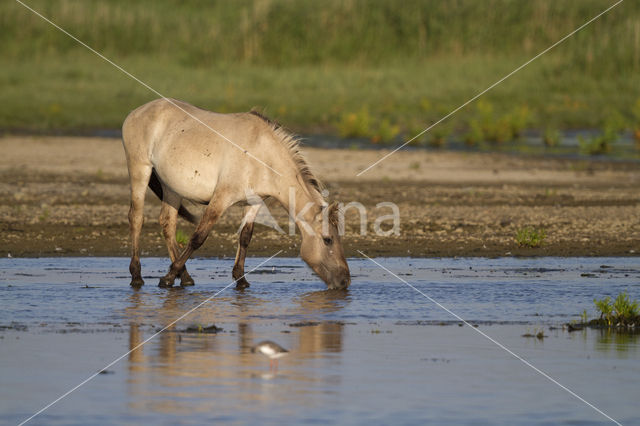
[623, 149]
[379, 353]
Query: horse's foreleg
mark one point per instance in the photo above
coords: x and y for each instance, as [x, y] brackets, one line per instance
[243, 242]
[168, 220]
[211, 215]
[139, 181]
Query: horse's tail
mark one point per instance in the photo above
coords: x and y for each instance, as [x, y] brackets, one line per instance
[187, 210]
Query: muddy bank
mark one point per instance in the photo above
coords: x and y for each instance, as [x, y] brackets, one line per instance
[69, 196]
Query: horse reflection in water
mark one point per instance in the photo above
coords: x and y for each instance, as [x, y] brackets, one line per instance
[173, 362]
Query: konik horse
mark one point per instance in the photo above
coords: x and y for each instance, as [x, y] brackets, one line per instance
[199, 163]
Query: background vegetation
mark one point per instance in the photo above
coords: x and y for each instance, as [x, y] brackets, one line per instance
[379, 69]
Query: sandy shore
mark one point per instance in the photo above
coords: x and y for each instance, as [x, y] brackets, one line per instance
[69, 196]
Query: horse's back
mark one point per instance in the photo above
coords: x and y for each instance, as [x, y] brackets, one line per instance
[190, 148]
[166, 121]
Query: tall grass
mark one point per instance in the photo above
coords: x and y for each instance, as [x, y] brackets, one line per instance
[286, 32]
[313, 63]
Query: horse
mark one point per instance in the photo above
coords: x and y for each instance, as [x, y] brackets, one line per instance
[199, 163]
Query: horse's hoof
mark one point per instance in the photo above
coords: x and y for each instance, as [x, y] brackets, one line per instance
[166, 282]
[187, 281]
[137, 282]
[242, 284]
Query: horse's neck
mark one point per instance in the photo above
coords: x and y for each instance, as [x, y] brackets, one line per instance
[300, 203]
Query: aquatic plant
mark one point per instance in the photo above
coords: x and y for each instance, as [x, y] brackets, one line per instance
[386, 132]
[530, 237]
[487, 126]
[411, 129]
[474, 135]
[584, 316]
[518, 120]
[551, 137]
[596, 145]
[493, 130]
[623, 310]
[605, 309]
[200, 329]
[538, 333]
[601, 144]
[438, 135]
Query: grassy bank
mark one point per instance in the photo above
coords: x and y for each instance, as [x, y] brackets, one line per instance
[352, 67]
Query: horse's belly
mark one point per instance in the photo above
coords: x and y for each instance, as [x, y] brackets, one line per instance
[193, 179]
[194, 188]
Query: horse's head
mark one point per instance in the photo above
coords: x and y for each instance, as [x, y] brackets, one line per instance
[322, 249]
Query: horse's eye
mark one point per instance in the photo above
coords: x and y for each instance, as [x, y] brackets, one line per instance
[327, 241]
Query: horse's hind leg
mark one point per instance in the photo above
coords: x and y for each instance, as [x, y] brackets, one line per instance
[168, 220]
[139, 179]
[213, 211]
[243, 242]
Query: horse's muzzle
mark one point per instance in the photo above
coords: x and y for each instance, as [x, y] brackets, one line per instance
[342, 283]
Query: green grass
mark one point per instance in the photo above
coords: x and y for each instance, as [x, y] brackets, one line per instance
[602, 144]
[312, 66]
[622, 311]
[551, 137]
[530, 237]
[182, 237]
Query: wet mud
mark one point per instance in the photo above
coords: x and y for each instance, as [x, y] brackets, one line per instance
[69, 197]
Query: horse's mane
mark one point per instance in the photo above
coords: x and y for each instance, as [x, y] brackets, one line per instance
[292, 143]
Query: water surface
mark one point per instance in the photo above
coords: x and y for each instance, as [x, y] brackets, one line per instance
[379, 353]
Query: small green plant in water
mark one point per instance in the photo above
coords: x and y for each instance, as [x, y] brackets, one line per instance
[551, 137]
[438, 136]
[622, 311]
[538, 333]
[474, 136]
[386, 132]
[181, 237]
[603, 143]
[596, 145]
[605, 309]
[584, 317]
[518, 120]
[501, 129]
[624, 307]
[530, 237]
